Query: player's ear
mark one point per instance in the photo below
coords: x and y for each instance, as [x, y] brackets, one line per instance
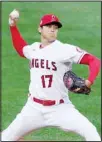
[39, 29]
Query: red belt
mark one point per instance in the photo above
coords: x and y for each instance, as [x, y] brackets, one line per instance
[47, 102]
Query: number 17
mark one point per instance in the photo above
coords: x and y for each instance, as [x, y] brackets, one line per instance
[44, 77]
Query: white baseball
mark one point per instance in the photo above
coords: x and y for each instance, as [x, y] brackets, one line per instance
[14, 14]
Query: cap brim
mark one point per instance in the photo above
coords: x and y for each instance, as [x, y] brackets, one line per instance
[54, 22]
[59, 24]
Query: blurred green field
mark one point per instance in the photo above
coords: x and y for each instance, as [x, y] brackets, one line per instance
[81, 27]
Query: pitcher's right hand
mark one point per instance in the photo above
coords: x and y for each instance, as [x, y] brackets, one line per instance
[13, 17]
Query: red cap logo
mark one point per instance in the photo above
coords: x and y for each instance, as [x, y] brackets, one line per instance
[48, 19]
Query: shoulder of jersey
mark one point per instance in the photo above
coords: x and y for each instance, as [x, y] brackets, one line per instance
[75, 48]
[35, 45]
[69, 45]
[65, 44]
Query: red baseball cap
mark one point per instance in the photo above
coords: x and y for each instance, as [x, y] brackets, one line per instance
[48, 19]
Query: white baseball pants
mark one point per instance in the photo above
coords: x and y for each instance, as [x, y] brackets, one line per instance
[64, 116]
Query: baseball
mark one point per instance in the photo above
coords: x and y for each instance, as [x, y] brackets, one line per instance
[14, 14]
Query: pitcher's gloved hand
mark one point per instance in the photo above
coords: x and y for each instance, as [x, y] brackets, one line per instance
[75, 84]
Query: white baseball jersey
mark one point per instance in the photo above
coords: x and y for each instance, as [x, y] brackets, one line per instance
[47, 67]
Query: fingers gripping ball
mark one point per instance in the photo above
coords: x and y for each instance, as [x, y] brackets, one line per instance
[13, 16]
[75, 84]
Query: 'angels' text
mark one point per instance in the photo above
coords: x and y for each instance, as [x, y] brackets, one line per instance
[42, 63]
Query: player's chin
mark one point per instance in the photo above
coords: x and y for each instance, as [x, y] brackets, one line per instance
[52, 39]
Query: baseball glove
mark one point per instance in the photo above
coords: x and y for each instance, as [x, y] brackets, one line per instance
[75, 84]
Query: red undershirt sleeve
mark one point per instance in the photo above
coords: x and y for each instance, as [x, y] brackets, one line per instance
[17, 40]
[94, 66]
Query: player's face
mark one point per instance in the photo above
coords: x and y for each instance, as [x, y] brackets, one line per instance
[49, 32]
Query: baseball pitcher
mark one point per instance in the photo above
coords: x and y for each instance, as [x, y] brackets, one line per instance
[51, 78]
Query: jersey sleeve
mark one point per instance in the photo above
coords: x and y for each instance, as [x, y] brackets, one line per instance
[73, 54]
[79, 53]
[27, 51]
